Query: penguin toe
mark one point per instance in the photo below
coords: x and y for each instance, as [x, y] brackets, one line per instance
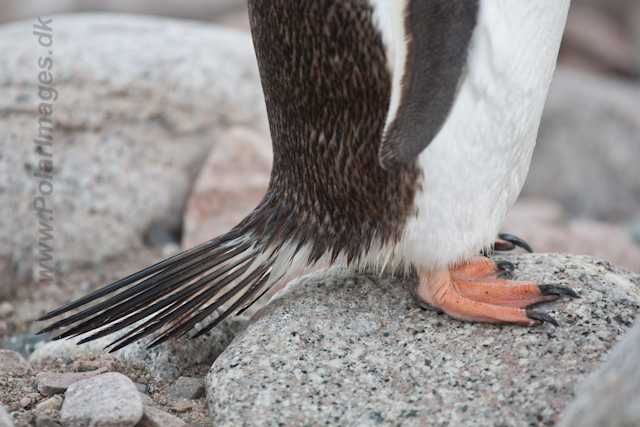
[508, 242]
[541, 317]
[504, 265]
[474, 291]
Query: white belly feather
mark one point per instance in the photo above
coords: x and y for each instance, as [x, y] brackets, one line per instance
[475, 168]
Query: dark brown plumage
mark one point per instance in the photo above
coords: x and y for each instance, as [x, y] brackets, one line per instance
[327, 90]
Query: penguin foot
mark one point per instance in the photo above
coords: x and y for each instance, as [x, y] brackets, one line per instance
[475, 292]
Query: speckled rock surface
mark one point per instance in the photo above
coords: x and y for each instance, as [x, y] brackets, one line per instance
[133, 123]
[13, 362]
[611, 395]
[340, 349]
[164, 362]
[104, 401]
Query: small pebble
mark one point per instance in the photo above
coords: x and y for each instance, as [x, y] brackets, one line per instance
[186, 388]
[155, 418]
[50, 383]
[54, 402]
[109, 399]
[182, 406]
[46, 421]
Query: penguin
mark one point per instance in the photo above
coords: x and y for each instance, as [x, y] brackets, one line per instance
[402, 133]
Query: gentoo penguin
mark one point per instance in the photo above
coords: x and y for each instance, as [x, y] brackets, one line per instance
[402, 133]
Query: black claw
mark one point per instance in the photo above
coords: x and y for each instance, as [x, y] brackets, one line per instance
[505, 265]
[554, 289]
[515, 241]
[543, 317]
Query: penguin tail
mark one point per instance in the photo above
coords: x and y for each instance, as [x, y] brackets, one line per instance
[170, 297]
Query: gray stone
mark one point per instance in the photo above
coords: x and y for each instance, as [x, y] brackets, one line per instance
[50, 383]
[156, 418]
[186, 388]
[165, 362]
[164, 99]
[611, 395]
[45, 421]
[105, 400]
[194, 9]
[341, 349]
[54, 402]
[25, 401]
[588, 146]
[5, 420]
[12, 362]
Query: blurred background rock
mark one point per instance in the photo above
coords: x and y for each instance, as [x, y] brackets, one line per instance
[144, 88]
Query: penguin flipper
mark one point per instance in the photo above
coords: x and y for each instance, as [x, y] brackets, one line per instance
[430, 44]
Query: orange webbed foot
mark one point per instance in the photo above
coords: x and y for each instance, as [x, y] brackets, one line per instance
[475, 292]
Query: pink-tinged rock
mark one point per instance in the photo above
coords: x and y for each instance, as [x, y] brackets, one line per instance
[156, 418]
[105, 400]
[594, 41]
[232, 181]
[183, 405]
[541, 223]
[50, 383]
[12, 362]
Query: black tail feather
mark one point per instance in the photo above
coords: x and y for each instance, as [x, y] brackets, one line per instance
[162, 305]
[179, 330]
[168, 315]
[174, 293]
[145, 295]
[159, 266]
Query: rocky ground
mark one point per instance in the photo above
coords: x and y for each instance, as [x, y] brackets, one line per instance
[163, 143]
[347, 349]
[39, 395]
[341, 349]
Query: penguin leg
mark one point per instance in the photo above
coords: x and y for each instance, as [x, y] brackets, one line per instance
[474, 292]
